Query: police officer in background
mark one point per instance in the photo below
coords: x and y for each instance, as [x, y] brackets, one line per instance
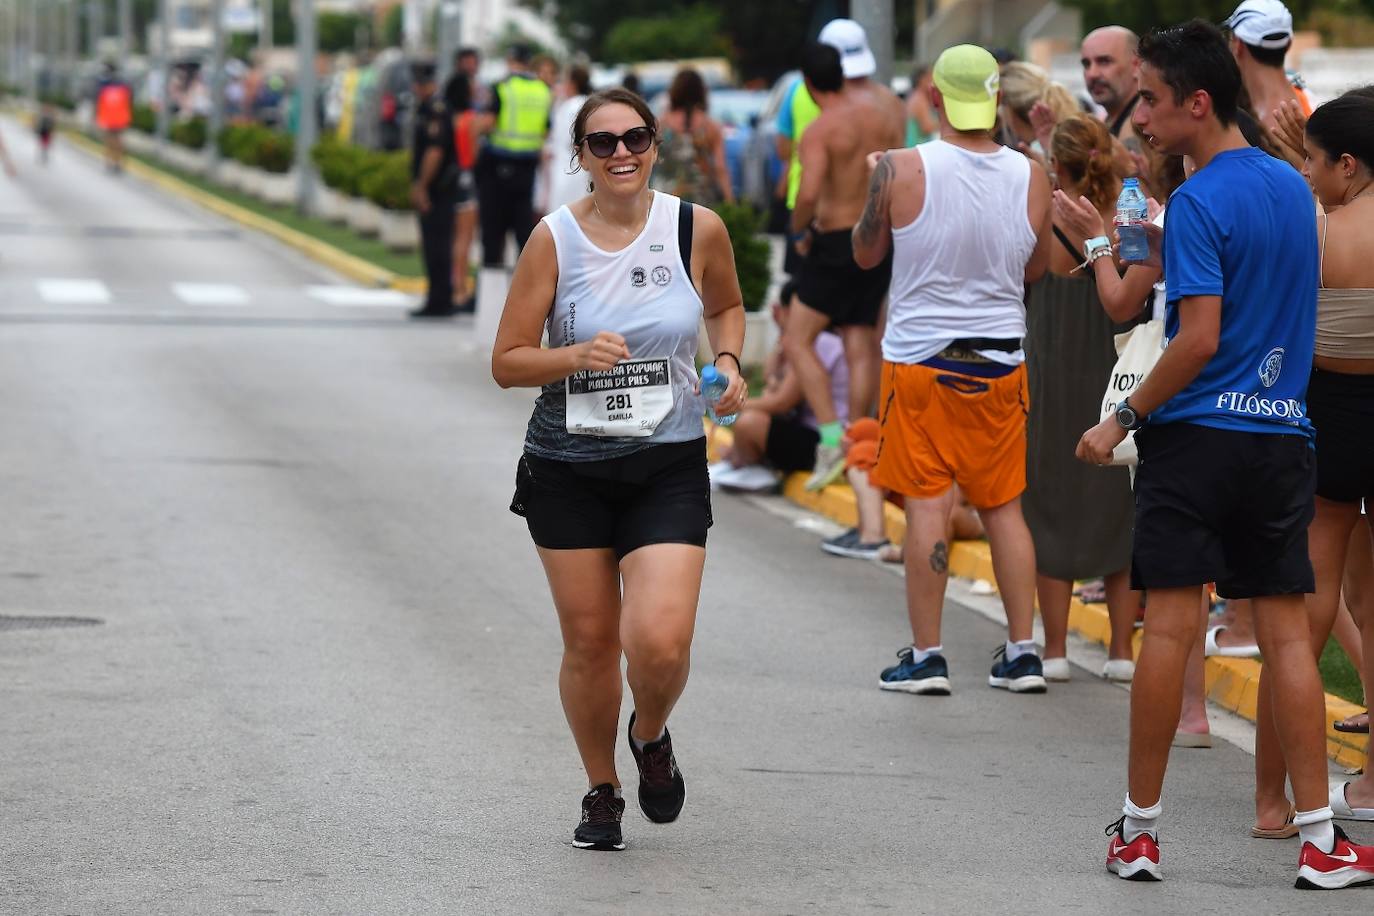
[434, 190]
[516, 123]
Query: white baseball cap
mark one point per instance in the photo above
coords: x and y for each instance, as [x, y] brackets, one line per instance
[850, 39]
[1262, 24]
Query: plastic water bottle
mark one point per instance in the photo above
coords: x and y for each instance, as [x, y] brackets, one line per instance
[1131, 215]
[713, 387]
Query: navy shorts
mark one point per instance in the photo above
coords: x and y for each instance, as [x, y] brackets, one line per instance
[658, 495]
[1223, 506]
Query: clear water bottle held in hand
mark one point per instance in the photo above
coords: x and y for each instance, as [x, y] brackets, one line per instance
[1132, 213]
[713, 388]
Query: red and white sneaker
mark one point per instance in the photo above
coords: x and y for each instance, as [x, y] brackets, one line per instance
[1137, 860]
[1347, 865]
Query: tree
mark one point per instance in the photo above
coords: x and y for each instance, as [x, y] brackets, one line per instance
[1143, 15]
[393, 23]
[693, 32]
[338, 31]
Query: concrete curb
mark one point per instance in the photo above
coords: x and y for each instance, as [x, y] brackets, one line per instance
[354, 268]
[1232, 683]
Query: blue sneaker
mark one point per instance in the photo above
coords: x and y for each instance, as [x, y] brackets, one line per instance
[930, 676]
[1025, 675]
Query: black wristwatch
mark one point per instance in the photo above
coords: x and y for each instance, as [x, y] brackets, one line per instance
[1126, 417]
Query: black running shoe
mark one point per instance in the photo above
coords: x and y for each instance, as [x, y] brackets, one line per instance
[600, 827]
[661, 789]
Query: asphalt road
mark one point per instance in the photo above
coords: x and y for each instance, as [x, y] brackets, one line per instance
[323, 678]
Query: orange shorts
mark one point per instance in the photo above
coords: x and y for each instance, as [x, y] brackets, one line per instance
[940, 428]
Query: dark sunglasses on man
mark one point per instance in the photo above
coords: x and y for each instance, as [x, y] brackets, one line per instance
[603, 144]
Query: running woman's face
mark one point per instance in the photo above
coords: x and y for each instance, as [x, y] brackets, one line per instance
[623, 171]
[1168, 124]
[1331, 181]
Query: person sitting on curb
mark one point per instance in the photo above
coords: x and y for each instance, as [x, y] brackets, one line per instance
[778, 428]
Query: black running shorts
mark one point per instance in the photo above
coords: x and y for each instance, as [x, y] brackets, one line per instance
[1223, 506]
[791, 444]
[658, 495]
[1341, 408]
[832, 284]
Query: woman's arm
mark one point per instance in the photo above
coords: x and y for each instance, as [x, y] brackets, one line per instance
[517, 359]
[723, 303]
[1122, 296]
[718, 162]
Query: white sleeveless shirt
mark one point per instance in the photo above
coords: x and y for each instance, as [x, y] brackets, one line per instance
[958, 270]
[641, 292]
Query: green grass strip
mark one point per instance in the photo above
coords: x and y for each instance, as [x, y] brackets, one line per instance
[341, 237]
[1339, 675]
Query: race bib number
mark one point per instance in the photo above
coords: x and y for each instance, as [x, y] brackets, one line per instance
[629, 399]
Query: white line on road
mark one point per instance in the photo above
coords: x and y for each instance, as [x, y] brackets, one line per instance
[360, 296]
[210, 293]
[73, 292]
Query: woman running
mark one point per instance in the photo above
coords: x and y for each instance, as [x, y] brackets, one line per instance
[613, 480]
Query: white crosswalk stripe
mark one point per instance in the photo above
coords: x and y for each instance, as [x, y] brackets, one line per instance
[360, 296]
[210, 293]
[73, 292]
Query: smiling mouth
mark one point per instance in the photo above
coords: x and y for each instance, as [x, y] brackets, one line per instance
[623, 169]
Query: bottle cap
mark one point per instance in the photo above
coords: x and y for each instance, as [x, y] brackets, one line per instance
[709, 374]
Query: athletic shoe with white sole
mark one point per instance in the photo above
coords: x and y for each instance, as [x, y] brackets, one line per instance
[929, 677]
[600, 826]
[829, 467]
[849, 545]
[1057, 670]
[1137, 860]
[1347, 865]
[661, 788]
[1119, 670]
[1024, 675]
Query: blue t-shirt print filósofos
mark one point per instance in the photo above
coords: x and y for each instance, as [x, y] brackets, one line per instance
[1244, 229]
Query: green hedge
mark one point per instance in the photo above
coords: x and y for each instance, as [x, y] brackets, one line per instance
[383, 178]
[745, 226]
[192, 133]
[258, 147]
[387, 184]
[145, 119]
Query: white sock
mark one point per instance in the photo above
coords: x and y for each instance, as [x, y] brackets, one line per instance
[1140, 820]
[920, 655]
[1315, 827]
[1017, 649]
[639, 745]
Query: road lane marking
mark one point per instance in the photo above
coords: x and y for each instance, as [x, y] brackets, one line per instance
[73, 292]
[210, 293]
[360, 296]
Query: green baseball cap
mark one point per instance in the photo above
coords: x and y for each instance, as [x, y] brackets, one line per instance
[968, 78]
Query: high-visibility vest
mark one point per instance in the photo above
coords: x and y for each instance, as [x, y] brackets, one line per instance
[524, 117]
[113, 107]
[804, 111]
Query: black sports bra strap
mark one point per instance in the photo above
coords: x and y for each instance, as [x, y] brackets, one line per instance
[684, 236]
[1068, 246]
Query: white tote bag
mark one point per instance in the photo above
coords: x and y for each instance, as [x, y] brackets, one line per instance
[1137, 351]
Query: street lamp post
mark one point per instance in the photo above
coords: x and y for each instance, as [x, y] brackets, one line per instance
[877, 19]
[305, 105]
[216, 120]
[164, 45]
[126, 30]
[265, 25]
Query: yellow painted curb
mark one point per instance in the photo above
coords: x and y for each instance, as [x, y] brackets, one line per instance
[1232, 683]
[354, 268]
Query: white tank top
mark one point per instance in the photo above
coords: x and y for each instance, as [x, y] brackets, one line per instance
[641, 292]
[959, 269]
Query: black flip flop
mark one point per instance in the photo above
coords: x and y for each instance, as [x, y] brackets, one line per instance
[1341, 726]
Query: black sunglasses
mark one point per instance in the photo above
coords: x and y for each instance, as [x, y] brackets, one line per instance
[602, 144]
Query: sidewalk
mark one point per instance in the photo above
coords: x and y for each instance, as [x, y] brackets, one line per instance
[1232, 683]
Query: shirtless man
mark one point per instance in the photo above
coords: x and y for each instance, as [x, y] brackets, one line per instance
[1261, 33]
[953, 403]
[832, 290]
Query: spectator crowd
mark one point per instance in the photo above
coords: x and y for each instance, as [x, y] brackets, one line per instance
[1179, 434]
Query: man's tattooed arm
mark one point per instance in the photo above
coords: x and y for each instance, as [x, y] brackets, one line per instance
[873, 234]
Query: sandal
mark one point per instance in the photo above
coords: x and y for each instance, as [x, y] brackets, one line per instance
[1340, 805]
[1212, 648]
[1093, 592]
[1352, 725]
[1289, 829]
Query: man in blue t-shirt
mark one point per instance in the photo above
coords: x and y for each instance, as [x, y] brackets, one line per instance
[1224, 492]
